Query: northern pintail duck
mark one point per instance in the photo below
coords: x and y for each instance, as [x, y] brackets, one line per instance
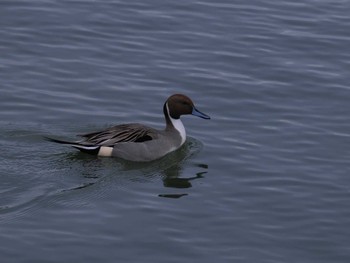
[137, 142]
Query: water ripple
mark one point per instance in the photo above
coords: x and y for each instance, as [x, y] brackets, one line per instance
[265, 178]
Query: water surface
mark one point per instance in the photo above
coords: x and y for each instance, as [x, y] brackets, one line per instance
[265, 180]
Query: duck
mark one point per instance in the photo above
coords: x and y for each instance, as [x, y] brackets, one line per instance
[138, 142]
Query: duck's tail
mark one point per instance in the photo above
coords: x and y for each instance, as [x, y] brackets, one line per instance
[91, 149]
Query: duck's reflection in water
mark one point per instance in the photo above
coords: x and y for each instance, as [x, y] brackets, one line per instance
[173, 181]
[174, 176]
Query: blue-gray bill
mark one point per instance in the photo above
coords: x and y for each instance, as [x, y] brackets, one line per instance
[197, 113]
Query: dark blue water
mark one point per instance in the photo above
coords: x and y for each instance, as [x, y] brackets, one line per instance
[265, 180]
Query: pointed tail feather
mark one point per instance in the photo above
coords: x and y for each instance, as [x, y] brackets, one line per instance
[59, 141]
[91, 149]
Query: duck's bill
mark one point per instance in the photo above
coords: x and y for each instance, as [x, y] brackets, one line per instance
[197, 113]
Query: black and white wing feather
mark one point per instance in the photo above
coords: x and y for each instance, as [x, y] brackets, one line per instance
[92, 142]
[121, 133]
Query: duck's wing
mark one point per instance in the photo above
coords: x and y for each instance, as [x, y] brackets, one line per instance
[132, 132]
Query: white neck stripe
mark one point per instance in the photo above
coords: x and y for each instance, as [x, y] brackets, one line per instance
[178, 125]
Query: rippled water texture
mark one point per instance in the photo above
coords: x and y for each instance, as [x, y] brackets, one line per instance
[265, 180]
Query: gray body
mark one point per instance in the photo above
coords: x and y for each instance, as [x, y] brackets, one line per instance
[166, 142]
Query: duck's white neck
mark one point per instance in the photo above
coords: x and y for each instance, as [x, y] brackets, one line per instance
[178, 125]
